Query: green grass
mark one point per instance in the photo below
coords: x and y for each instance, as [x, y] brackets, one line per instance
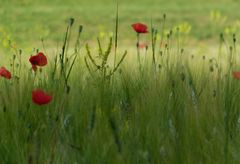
[27, 22]
[182, 110]
[176, 114]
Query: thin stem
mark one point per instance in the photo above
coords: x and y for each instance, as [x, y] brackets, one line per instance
[138, 51]
[163, 27]
[116, 37]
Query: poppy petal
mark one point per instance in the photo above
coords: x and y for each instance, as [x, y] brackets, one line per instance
[40, 97]
[236, 75]
[34, 67]
[5, 73]
[39, 60]
[140, 27]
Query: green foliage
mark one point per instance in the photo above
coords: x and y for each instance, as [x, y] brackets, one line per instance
[180, 112]
[178, 107]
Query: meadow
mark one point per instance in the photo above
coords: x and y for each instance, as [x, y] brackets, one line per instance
[84, 82]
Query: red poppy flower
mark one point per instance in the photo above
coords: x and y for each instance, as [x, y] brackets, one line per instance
[38, 60]
[5, 73]
[40, 97]
[236, 75]
[140, 28]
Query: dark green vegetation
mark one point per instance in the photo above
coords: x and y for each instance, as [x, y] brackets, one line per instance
[183, 109]
[180, 109]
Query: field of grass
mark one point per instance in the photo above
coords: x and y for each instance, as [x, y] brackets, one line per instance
[175, 101]
[26, 21]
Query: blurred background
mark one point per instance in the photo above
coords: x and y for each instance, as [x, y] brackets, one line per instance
[26, 22]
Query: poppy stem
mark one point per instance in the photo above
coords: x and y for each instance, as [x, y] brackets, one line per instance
[77, 48]
[20, 62]
[227, 109]
[116, 38]
[77, 44]
[163, 28]
[13, 64]
[138, 51]
[63, 50]
[153, 38]
[63, 59]
[115, 132]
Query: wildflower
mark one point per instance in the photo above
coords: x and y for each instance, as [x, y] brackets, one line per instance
[140, 28]
[236, 75]
[38, 60]
[143, 46]
[40, 97]
[5, 73]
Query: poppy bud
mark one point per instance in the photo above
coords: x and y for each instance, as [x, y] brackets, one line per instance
[214, 93]
[164, 16]
[71, 21]
[222, 37]
[182, 50]
[234, 38]
[211, 69]
[4, 108]
[159, 66]
[168, 36]
[80, 28]
[161, 53]
[182, 76]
